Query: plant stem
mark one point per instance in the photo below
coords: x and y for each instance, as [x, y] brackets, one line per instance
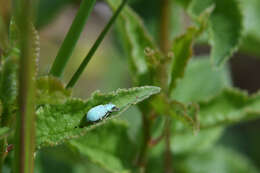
[3, 35]
[25, 120]
[165, 45]
[168, 157]
[164, 26]
[71, 38]
[3, 144]
[142, 158]
[93, 49]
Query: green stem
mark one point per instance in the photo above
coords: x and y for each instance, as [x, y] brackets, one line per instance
[3, 35]
[168, 157]
[3, 144]
[142, 158]
[71, 38]
[93, 49]
[25, 120]
[164, 44]
[164, 26]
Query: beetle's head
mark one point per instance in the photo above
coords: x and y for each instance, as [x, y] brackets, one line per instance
[111, 107]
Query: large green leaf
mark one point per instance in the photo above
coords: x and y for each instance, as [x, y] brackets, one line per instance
[225, 27]
[136, 40]
[219, 159]
[201, 81]
[199, 74]
[108, 146]
[57, 123]
[228, 107]
[190, 142]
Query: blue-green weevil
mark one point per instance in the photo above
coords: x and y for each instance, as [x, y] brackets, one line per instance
[101, 111]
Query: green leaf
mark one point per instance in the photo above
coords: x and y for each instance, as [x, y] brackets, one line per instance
[251, 16]
[201, 81]
[225, 27]
[4, 131]
[51, 90]
[217, 160]
[71, 38]
[190, 142]
[228, 107]
[60, 122]
[251, 41]
[182, 48]
[189, 91]
[109, 147]
[136, 40]
[187, 114]
[93, 49]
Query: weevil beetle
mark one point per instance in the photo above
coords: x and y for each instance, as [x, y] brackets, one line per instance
[101, 111]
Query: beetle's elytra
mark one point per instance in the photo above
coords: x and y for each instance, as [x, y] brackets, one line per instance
[101, 111]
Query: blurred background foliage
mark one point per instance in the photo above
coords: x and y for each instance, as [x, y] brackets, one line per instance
[53, 20]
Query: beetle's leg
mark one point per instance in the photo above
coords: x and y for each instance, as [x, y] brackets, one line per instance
[106, 115]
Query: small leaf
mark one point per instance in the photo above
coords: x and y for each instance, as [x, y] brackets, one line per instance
[228, 107]
[4, 131]
[225, 27]
[109, 147]
[136, 39]
[182, 49]
[223, 159]
[60, 122]
[176, 110]
[51, 90]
